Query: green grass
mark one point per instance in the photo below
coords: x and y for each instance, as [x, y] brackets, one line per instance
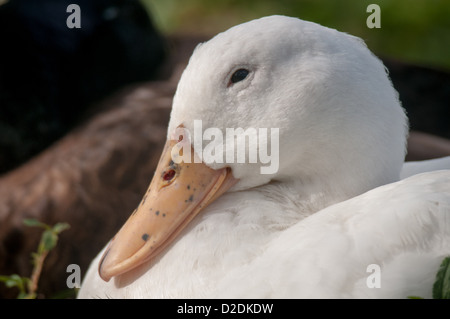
[412, 31]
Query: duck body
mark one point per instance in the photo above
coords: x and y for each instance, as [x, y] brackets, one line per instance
[335, 251]
[242, 251]
[334, 208]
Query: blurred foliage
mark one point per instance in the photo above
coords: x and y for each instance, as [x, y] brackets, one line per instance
[415, 31]
[27, 286]
[441, 286]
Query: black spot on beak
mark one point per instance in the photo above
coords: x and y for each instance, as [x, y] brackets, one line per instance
[145, 237]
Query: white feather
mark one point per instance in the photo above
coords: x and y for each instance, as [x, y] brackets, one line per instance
[334, 207]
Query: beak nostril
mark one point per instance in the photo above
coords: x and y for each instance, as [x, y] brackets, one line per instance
[169, 205]
[169, 175]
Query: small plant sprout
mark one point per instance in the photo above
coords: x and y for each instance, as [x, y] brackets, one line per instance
[28, 285]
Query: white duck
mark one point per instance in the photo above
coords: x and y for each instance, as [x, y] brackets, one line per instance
[315, 226]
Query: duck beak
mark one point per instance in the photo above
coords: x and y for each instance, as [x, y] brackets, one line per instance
[177, 193]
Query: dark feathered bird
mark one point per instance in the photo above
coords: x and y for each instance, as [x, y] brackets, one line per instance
[50, 74]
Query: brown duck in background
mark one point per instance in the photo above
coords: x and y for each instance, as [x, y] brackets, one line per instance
[92, 178]
[95, 176]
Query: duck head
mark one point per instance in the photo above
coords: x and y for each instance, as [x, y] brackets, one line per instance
[317, 99]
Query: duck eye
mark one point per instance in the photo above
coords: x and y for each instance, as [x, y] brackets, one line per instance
[239, 75]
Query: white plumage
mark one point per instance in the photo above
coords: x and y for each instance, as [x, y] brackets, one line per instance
[335, 205]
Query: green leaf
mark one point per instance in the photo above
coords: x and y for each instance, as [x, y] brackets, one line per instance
[14, 281]
[22, 295]
[441, 287]
[49, 240]
[59, 227]
[34, 258]
[415, 297]
[9, 282]
[34, 223]
[4, 278]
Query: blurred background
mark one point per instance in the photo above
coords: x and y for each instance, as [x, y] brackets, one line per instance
[65, 71]
[84, 112]
[413, 42]
[412, 31]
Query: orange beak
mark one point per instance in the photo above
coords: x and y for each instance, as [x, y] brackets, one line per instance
[177, 193]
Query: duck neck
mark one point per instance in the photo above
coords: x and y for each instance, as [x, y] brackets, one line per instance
[306, 197]
[292, 201]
